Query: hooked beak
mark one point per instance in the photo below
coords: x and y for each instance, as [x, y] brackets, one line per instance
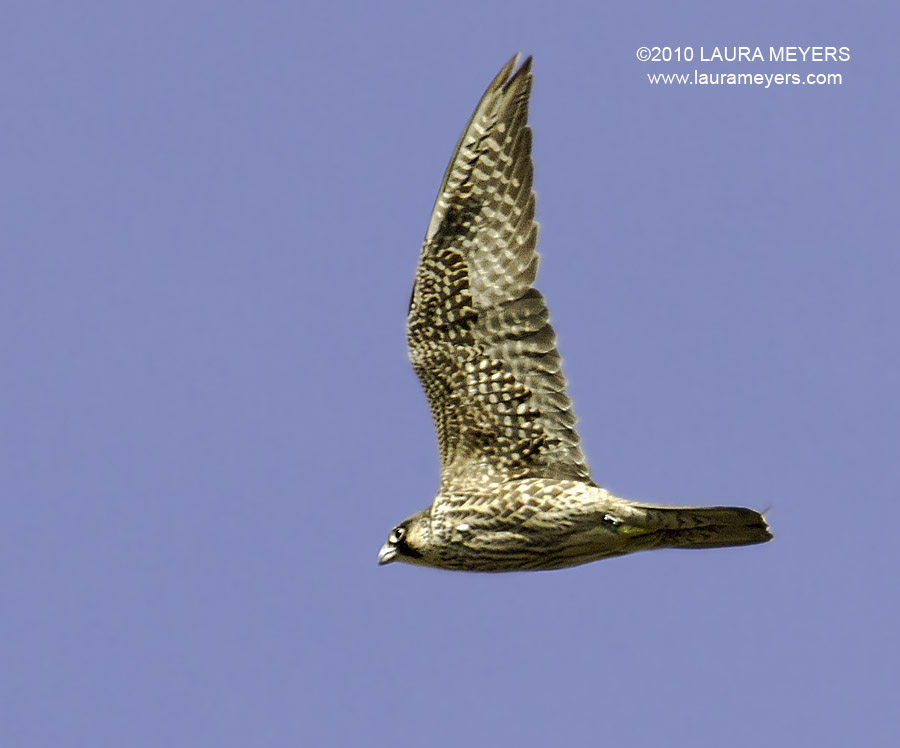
[387, 554]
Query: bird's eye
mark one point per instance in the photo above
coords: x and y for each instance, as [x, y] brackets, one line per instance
[397, 534]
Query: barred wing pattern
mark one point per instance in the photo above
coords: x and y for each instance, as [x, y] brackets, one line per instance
[478, 333]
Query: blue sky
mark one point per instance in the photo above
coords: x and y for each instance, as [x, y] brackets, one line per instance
[210, 217]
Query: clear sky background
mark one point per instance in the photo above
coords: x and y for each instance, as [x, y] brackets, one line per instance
[210, 215]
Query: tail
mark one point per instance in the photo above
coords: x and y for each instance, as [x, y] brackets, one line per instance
[705, 527]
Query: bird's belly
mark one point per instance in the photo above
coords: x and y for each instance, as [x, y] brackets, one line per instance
[527, 524]
[523, 549]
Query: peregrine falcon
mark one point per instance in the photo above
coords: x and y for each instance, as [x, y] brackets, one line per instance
[515, 491]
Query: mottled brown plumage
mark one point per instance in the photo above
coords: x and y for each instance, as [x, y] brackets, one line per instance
[515, 490]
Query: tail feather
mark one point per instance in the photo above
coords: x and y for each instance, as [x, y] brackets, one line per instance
[707, 527]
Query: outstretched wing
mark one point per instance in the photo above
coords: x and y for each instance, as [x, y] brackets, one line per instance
[478, 333]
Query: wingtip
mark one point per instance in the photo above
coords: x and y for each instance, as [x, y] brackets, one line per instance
[506, 77]
[501, 80]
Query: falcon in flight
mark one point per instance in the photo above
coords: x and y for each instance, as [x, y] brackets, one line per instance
[515, 493]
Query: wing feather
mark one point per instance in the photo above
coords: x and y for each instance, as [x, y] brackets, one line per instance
[479, 334]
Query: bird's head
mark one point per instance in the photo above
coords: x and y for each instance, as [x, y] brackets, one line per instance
[408, 541]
